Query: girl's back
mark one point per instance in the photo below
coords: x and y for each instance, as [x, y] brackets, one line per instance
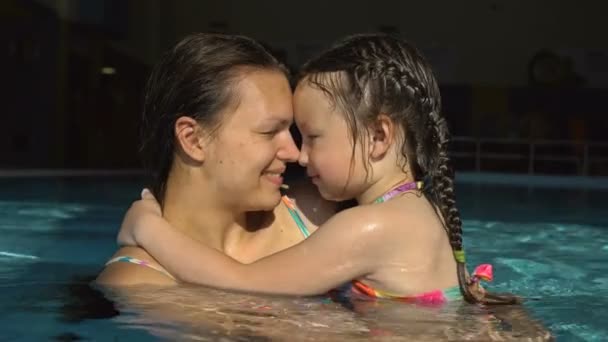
[418, 257]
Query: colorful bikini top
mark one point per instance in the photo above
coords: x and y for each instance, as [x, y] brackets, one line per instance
[482, 272]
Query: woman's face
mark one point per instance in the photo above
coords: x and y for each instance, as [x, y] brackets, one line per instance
[246, 159]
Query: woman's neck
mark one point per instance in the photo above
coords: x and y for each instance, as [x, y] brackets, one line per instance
[195, 210]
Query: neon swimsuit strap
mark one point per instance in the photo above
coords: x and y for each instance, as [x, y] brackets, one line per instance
[398, 190]
[296, 217]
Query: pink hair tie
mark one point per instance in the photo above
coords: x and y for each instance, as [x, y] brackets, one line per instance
[482, 272]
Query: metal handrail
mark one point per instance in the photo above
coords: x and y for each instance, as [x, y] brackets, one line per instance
[532, 154]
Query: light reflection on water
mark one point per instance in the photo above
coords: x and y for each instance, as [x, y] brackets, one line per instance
[77, 310]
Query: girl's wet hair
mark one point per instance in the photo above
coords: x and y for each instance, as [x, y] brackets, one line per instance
[196, 78]
[372, 74]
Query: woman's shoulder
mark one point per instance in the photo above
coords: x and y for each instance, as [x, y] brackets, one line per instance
[307, 199]
[133, 266]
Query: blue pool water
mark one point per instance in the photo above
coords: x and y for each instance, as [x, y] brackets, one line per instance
[545, 243]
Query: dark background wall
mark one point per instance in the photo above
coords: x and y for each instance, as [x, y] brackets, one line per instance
[73, 71]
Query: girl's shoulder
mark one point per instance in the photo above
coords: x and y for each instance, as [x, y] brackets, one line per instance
[410, 212]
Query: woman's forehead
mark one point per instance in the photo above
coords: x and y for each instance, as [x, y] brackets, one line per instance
[265, 95]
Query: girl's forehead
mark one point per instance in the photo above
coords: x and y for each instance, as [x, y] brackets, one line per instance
[314, 109]
[309, 98]
[305, 102]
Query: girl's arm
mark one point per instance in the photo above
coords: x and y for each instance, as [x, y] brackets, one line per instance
[347, 247]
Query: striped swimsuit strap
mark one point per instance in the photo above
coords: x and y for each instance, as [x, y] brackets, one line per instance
[293, 211]
[126, 258]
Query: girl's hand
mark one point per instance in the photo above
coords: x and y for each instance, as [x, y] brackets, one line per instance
[137, 216]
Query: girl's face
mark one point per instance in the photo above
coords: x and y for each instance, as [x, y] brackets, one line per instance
[247, 158]
[327, 146]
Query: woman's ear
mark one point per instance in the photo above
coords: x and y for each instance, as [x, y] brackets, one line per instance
[189, 137]
[382, 135]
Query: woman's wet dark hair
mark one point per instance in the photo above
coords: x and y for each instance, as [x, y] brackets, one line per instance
[196, 78]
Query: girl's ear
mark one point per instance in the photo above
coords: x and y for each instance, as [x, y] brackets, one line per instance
[382, 135]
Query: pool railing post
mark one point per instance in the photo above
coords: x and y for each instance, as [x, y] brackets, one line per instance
[585, 159]
[478, 154]
[531, 159]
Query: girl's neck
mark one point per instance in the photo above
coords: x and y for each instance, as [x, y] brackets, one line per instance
[383, 185]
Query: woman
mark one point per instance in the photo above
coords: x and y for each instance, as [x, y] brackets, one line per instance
[216, 141]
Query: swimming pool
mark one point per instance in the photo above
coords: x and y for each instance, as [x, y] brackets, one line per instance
[547, 242]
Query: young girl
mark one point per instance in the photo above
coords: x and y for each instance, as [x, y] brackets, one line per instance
[369, 113]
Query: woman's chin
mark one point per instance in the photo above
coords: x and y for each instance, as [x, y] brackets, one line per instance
[267, 201]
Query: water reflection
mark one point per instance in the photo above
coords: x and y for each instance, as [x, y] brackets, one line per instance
[198, 313]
